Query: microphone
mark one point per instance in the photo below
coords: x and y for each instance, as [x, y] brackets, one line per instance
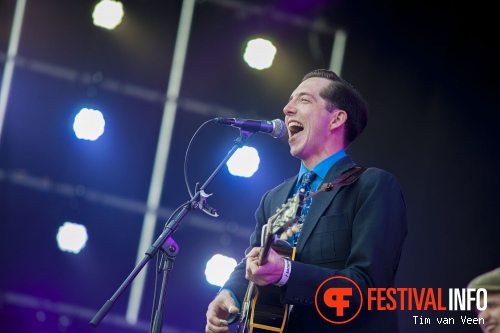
[276, 128]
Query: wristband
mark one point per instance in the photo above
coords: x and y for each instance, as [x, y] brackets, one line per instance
[286, 272]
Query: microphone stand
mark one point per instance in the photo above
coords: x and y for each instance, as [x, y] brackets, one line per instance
[197, 201]
[164, 267]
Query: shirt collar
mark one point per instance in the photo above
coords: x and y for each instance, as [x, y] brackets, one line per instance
[321, 169]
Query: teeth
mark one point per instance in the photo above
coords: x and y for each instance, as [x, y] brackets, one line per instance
[491, 327]
[294, 123]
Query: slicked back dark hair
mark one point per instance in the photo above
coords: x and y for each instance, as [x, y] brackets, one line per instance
[341, 95]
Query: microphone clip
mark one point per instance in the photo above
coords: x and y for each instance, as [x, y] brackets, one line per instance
[202, 202]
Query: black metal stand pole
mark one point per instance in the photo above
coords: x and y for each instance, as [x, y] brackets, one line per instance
[170, 251]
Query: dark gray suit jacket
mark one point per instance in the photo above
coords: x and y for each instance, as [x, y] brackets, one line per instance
[355, 232]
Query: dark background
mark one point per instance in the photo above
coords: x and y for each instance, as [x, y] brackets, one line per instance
[429, 71]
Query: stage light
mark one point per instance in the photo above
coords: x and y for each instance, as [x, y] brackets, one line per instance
[71, 237]
[89, 124]
[108, 14]
[244, 162]
[259, 53]
[218, 269]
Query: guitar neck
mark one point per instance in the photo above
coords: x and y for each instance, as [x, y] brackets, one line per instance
[264, 251]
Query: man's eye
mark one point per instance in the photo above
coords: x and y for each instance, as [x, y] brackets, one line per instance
[304, 100]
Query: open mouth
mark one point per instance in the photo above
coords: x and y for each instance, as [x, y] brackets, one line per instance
[295, 127]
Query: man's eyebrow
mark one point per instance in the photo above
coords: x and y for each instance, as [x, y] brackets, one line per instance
[302, 94]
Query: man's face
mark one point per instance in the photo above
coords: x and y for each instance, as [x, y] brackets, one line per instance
[308, 120]
[491, 315]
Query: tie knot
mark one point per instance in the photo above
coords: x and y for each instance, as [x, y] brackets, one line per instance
[307, 179]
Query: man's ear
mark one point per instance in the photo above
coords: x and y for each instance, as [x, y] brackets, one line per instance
[339, 117]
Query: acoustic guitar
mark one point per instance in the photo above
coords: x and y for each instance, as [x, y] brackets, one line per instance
[261, 310]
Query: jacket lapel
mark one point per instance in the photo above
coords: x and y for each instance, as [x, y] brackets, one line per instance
[283, 193]
[322, 200]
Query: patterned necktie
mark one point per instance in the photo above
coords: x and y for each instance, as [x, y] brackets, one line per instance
[307, 180]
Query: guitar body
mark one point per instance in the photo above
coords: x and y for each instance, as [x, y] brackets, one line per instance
[268, 314]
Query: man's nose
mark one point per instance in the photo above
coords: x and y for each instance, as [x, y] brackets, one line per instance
[289, 109]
